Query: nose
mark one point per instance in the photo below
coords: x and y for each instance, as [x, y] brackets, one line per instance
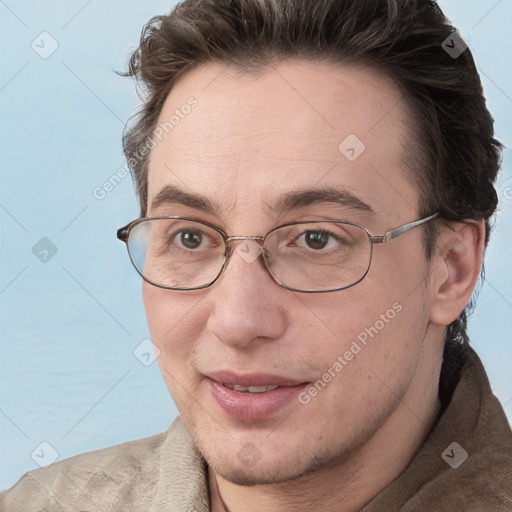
[247, 302]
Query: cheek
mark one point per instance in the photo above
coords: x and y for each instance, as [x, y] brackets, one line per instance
[155, 307]
[174, 331]
[173, 322]
[368, 359]
[378, 324]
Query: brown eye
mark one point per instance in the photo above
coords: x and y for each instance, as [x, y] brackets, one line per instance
[316, 239]
[190, 239]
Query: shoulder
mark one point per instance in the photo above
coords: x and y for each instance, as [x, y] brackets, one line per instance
[89, 478]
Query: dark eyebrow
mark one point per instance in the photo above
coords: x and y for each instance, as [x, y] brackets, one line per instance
[301, 198]
[173, 194]
[285, 202]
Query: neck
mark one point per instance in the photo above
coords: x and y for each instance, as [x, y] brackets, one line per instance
[351, 483]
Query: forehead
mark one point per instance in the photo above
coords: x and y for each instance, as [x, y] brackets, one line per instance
[298, 124]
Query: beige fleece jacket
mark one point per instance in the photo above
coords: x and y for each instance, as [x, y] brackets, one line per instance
[166, 472]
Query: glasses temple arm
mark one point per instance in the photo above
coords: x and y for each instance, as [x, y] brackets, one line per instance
[400, 230]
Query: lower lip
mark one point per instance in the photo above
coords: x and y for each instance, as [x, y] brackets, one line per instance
[253, 406]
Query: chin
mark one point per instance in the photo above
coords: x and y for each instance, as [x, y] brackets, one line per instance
[278, 471]
[265, 475]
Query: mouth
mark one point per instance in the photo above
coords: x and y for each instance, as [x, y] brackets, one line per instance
[254, 397]
[250, 389]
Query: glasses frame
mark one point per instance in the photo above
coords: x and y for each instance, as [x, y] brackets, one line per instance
[123, 235]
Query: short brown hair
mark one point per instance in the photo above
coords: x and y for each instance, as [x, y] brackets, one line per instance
[455, 157]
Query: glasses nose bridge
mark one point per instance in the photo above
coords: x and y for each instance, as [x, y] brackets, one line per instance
[230, 239]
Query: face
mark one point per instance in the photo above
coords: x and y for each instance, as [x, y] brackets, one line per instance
[343, 359]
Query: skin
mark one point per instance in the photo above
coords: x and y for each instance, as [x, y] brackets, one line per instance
[250, 139]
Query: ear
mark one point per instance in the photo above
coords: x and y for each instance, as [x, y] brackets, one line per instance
[455, 268]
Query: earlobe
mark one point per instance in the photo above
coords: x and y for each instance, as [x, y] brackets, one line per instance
[455, 269]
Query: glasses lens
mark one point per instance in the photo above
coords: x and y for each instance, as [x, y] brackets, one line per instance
[176, 253]
[318, 256]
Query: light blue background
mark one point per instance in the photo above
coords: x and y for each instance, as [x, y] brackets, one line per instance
[69, 326]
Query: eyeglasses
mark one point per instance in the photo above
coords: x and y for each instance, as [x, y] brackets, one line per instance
[182, 253]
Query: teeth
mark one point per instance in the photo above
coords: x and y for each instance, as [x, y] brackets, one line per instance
[250, 389]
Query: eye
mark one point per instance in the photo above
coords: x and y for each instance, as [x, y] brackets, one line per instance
[188, 239]
[320, 239]
[183, 238]
[193, 239]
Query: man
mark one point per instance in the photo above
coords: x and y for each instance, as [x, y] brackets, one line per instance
[316, 181]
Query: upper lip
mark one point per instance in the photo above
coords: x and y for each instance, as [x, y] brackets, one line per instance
[251, 379]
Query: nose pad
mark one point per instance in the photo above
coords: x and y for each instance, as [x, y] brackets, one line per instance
[267, 259]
